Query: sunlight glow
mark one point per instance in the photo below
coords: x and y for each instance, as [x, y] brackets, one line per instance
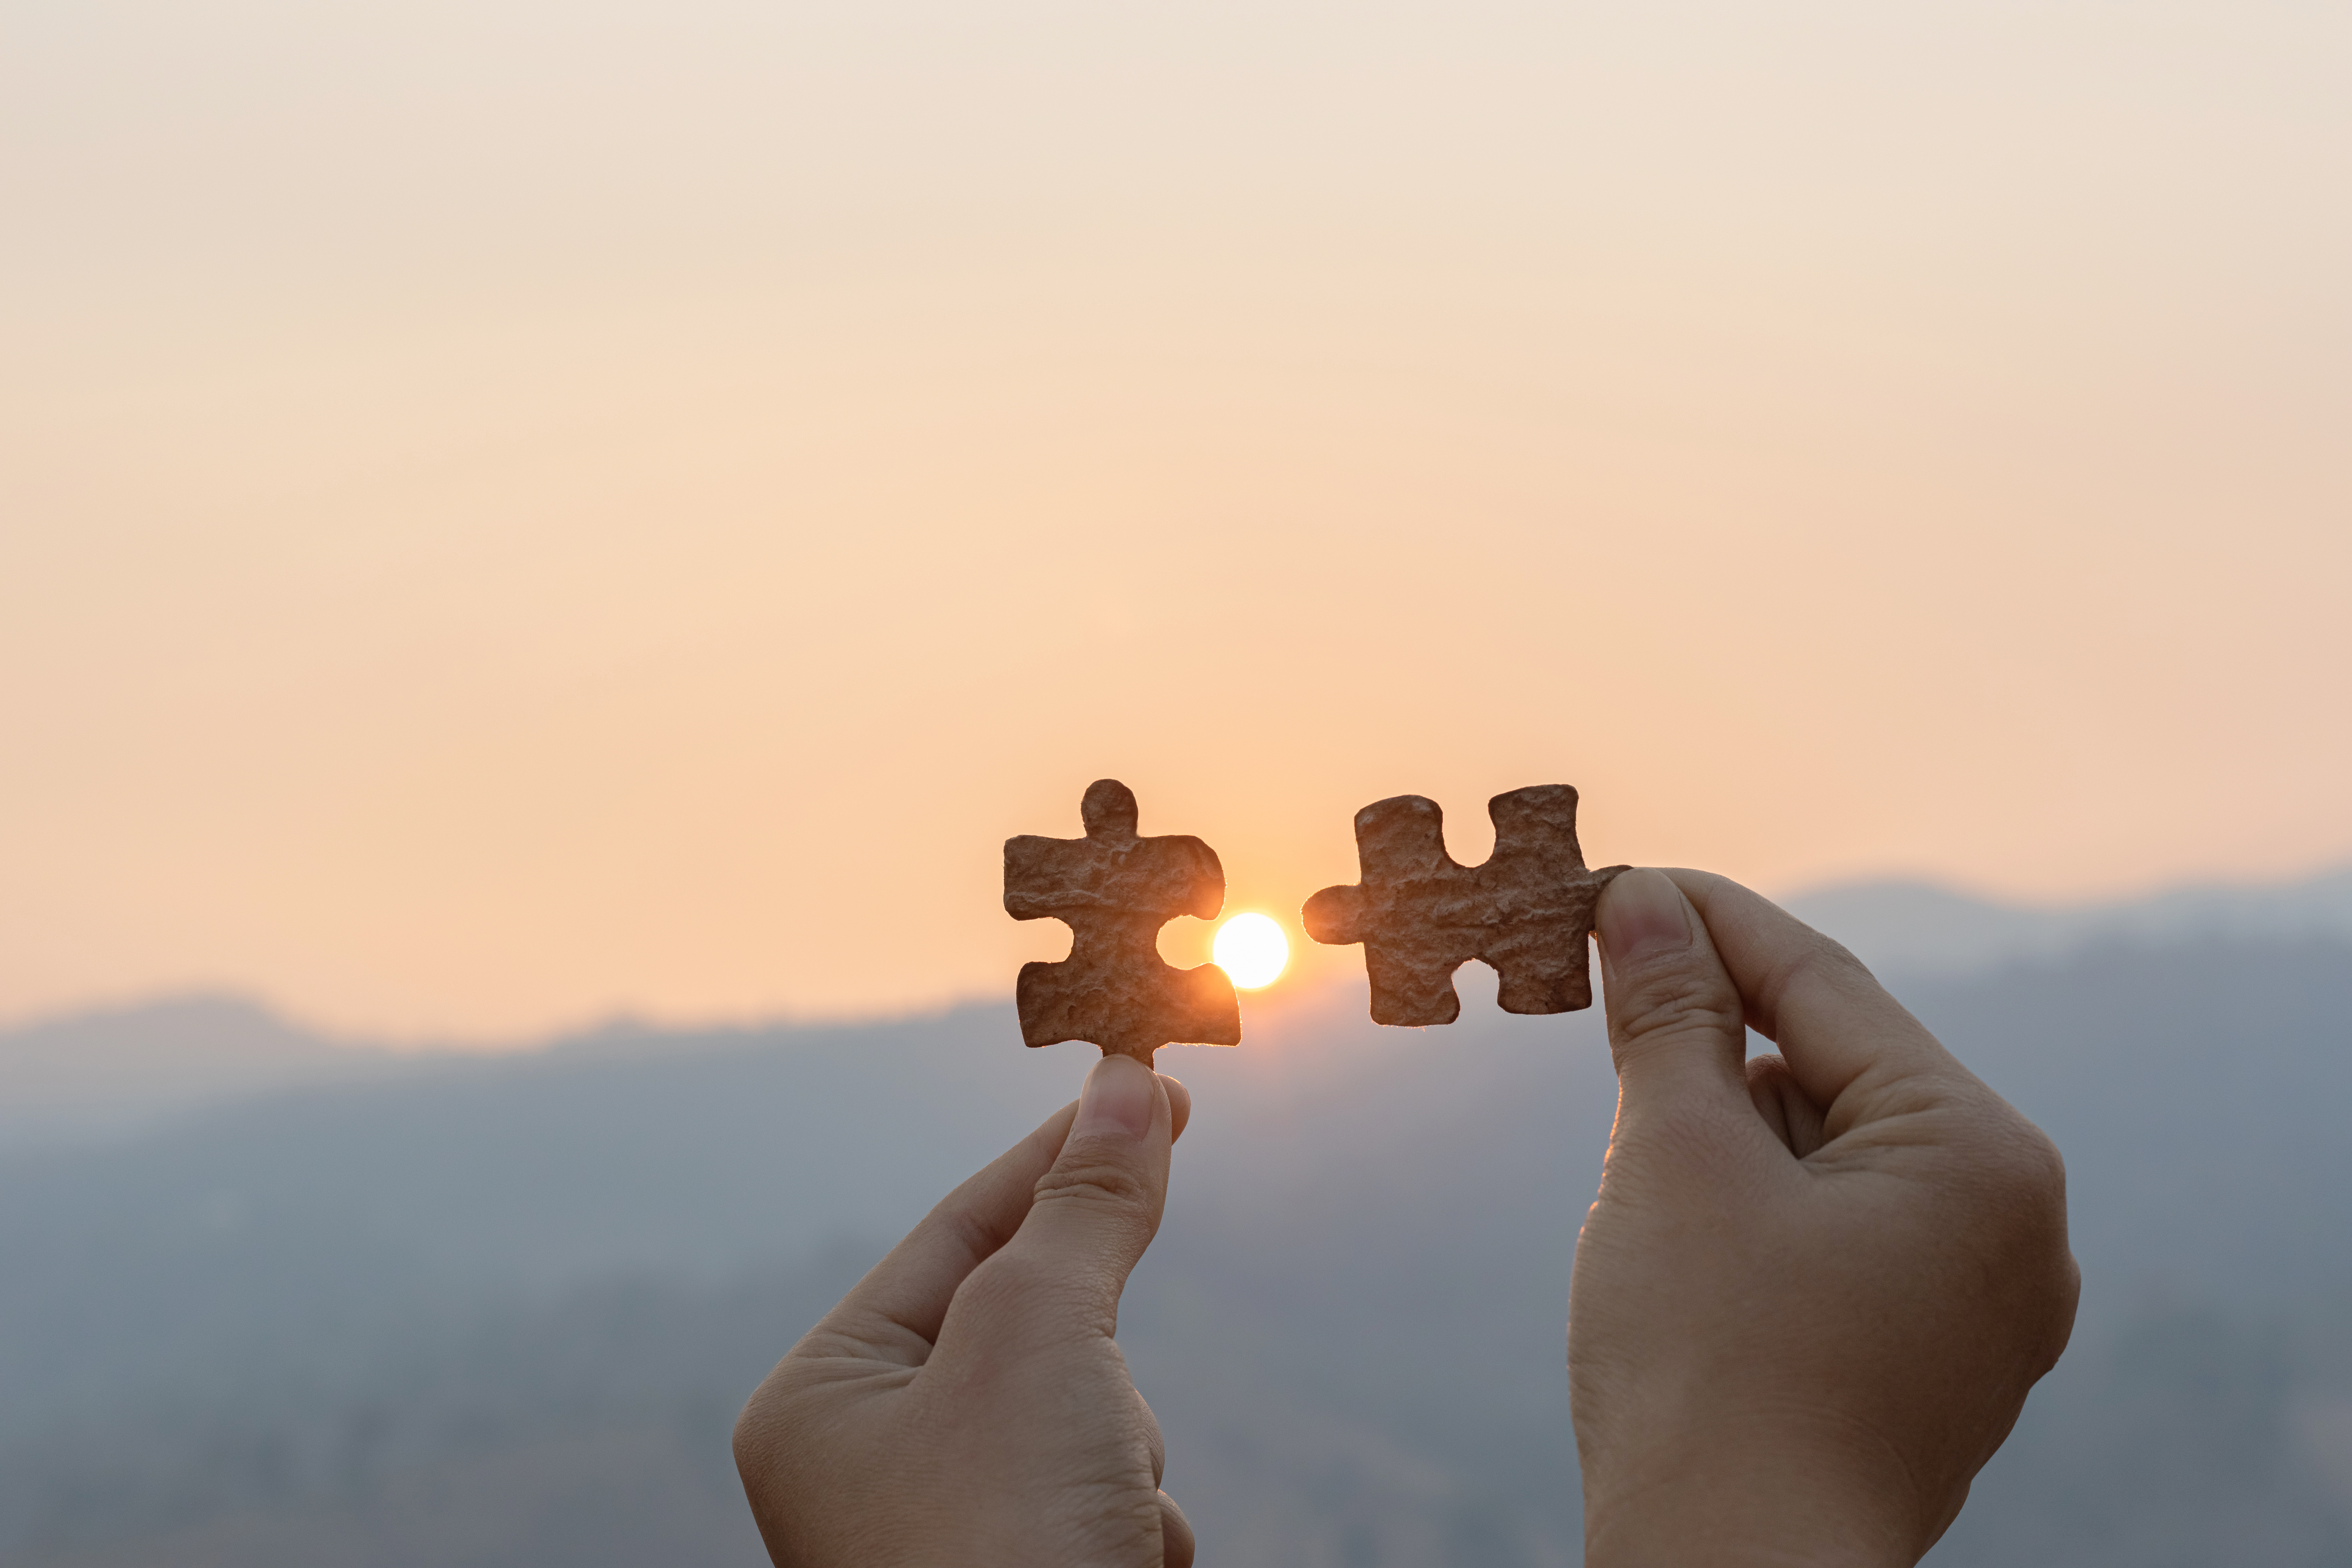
[1251, 950]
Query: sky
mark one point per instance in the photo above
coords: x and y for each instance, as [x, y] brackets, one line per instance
[512, 513]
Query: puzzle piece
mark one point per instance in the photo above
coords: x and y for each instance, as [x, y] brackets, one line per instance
[1527, 911]
[1115, 890]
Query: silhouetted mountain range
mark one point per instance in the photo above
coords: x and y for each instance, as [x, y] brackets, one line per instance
[119, 1071]
[114, 1070]
[465, 1310]
[1914, 930]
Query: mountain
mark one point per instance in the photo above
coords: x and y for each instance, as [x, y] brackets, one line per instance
[502, 1311]
[118, 1070]
[1924, 930]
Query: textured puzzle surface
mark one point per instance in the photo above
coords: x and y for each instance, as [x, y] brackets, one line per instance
[1528, 910]
[1116, 888]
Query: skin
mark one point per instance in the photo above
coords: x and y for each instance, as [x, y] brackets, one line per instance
[965, 1406]
[1815, 1287]
[1808, 1302]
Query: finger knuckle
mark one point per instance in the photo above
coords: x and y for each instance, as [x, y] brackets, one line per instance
[772, 1439]
[1012, 1284]
[2022, 1164]
[1673, 1009]
[2041, 1164]
[973, 1233]
[1816, 959]
[1083, 1180]
[754, 1437]
[1689, 1147]
[2019, 1211]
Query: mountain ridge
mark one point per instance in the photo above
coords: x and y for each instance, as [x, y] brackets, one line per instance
[118, 1070]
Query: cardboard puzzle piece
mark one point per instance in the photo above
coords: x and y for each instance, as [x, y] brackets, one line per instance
[1116, 890]
[1528, 910]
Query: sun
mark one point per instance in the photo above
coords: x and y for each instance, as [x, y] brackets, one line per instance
[1251, 950]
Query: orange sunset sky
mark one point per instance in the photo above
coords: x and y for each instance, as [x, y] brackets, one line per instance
[512, 511]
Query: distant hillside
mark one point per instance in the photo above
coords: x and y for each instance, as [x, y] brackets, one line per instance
[117, 1070]
[500, 1311]
[1911, 930]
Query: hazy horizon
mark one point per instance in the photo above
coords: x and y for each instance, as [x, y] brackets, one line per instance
[1909, 931]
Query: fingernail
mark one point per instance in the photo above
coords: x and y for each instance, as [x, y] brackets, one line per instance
[1116, 1101]
[1642, 914]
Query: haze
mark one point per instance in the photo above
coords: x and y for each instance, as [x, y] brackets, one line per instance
[510, 512]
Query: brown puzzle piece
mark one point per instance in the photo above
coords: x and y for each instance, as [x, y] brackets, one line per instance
[1115, 890]
[1528, 910]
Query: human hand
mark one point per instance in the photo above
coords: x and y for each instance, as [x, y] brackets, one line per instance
[965, 1404]
[1814, 1291]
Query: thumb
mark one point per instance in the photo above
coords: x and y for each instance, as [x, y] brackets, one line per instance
[1098, 1208]
[1677, 1030]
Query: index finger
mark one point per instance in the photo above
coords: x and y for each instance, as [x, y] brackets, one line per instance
[895, 1312]
[1837, 1028]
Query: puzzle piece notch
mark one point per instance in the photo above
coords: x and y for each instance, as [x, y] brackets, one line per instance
[1527, 911]
[1116, 888]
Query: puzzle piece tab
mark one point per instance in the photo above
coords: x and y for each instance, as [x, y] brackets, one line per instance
[1528, 910]
[1116, 890]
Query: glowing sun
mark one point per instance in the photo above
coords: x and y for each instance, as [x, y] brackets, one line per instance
[1251, 950]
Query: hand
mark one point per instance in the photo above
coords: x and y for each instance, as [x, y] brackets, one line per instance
[1814, 1291]
[965, 1404]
